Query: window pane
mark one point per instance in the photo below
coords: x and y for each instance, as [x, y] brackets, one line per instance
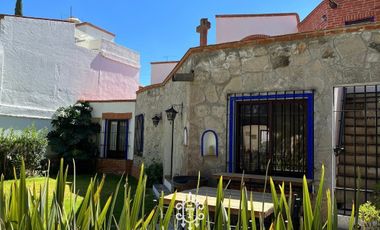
[122, 135]
[272, 130]
[113, 136]
[139, 134]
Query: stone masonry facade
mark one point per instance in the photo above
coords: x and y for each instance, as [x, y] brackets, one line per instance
[316, 61]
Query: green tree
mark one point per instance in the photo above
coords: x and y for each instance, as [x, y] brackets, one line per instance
[18, 8]
[73, 132]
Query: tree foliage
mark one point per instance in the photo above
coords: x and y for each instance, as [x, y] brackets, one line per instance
[29, 144]
[73, 132]
[18, 8]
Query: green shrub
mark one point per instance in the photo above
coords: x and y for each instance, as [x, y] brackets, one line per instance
[72, 132]
[29, 144]
[369, 215]
[154, 173]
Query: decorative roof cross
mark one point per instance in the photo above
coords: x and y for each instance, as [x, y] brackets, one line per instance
[202, 29]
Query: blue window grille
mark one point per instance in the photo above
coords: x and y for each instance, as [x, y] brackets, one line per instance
[242, 113]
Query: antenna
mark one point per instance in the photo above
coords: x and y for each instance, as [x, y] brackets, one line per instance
[71, 11]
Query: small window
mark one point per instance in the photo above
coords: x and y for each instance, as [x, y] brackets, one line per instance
[185, 136]
[139, 134]
[360, 21]
[117, 135]
[209, 143]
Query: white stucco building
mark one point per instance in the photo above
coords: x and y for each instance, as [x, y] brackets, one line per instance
[236, 27]
[47, 63]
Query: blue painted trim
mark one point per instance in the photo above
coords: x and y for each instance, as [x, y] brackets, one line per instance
[231, 135]
[310, 137]
[216, 138]
[126, 139]
[310, 125]
[105, 139]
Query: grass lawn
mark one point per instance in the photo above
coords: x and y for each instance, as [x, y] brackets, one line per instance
[82, 182]
[37, 183]
[109, 187]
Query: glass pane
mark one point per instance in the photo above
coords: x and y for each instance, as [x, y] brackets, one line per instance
[289, 153]
[113, 135]
[253, 137]
[122, 136]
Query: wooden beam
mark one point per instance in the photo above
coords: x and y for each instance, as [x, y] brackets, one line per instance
[184, 76]
[116, 116]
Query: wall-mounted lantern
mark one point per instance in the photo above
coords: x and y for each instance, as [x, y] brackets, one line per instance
[209, 143]
[171, 113]
[333, 4]
[156, 119]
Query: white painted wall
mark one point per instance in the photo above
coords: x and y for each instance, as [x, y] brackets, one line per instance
[114, 107]
[160, 70]
[90, 32]
[235, 28]
[42, 68]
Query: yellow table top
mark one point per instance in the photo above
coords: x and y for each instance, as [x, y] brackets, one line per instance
[231, 199]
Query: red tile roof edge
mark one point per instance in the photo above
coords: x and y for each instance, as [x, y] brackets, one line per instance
[36, 18]
[163, 62]
[94, 26]
[262, 41]
[108, 101]
[257, 15]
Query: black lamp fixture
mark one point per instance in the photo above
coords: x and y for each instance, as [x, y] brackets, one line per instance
[171, 113]
[156, 119]
[333, 4]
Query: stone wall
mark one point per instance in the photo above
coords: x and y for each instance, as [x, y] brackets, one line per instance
[157, 140]
[307, 62]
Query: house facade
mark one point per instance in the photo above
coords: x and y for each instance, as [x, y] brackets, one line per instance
[47, 64]
[273, 98]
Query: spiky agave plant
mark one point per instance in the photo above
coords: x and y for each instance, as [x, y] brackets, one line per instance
[24, 208]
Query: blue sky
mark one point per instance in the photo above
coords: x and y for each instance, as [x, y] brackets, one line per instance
[159, 30]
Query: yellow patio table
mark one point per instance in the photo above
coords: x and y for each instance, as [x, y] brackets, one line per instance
[262, 203]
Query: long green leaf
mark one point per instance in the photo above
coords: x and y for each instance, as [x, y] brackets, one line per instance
[307, 210]
[317, 222]
[253, 217]
[329, 211]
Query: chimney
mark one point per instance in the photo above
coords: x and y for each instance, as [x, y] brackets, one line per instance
[202, 29]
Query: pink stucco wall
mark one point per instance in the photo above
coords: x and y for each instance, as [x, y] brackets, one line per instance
[47, 69]
[160, 70]
[237, 27]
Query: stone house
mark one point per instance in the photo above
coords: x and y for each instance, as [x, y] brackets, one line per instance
[298, 99]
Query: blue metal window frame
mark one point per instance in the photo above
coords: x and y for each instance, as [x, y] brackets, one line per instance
[310, 125]
[216, 138]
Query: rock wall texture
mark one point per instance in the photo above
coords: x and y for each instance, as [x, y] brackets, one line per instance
[316, 63]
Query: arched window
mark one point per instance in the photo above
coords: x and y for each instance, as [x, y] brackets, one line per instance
[209, 143]
[185, 136]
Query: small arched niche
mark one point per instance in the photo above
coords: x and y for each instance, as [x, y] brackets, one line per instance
[209, 143]
[185, 137]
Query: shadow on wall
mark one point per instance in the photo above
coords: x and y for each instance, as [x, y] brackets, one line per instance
[106, 65]
[20, 123]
